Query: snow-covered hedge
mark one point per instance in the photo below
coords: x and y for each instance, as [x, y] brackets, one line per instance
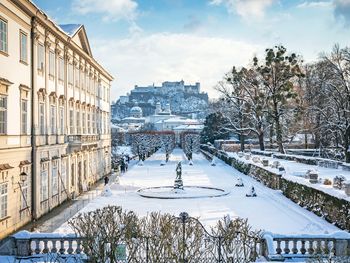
[331, 208]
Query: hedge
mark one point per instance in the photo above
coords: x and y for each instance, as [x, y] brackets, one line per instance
[331, 208]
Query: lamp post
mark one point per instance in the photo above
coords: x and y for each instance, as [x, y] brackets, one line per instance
[23, 177]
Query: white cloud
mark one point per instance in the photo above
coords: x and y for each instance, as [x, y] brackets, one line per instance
[143, 60]
[312, 4]
[248, 9]
[110, 9]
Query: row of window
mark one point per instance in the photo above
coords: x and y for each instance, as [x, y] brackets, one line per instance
[89, 122]
[56, 176]
[82, 79]
[23, 41]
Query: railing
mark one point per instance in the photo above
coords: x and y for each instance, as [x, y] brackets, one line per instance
[83, 138]
[189, 245]
[280, 247]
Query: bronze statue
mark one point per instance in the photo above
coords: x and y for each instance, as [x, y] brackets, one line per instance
[178, 184]
[178, 171]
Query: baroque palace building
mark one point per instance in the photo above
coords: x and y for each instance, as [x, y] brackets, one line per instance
[54, 114]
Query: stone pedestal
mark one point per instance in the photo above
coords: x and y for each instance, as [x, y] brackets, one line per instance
[313, 177]
[178, 184]
[265, 162]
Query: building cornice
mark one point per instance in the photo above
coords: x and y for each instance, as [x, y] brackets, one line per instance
[43, 20]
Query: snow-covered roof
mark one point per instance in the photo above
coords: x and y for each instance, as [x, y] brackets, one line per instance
[70, 29]
[181, 120]
[133, 119]
[189, 127]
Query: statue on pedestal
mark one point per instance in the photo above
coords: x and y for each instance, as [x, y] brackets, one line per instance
[178, 184]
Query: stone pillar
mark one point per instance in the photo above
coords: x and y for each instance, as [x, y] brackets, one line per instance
[23, 247]
[341, 246]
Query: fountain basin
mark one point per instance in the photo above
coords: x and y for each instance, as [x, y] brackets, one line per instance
[168, 192]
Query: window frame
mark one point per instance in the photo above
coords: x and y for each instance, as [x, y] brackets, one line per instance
[4, 42]
[4, 200]
[52, 63]
[24, 117]
[44, 181]
[54, 178]
[4, 110]
[41, 57]
[42, 118]
[60, 68]
[23, 59]
[53, 118]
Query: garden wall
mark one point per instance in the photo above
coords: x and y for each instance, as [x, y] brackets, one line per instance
[332, 209]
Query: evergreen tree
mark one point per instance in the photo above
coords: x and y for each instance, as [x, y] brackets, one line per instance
[213, 128]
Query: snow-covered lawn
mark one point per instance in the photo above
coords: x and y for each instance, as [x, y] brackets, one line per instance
[295, 172]
[270, 210]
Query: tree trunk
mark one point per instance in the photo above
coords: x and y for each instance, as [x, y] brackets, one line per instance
[261, 141]
[271, 136]
[305, 140]
[279, 135]
[347, 145]
[241, 139]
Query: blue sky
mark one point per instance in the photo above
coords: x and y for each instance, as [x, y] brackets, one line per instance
[142, 42]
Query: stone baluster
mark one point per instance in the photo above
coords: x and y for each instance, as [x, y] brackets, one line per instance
[46, 248]
[295, 249]
[62, 249]
[37, 246]
[286, 248]
[326, 247]
[311, 248]
[70, 246]
[318, 247]
[54, 249]
[303, 249]
[78, 249]
[278, 249]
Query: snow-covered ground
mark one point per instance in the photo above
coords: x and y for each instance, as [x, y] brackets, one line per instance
[295, 172]
[270, 210]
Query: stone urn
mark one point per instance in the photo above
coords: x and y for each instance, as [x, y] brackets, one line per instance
[240, 154]
[313, 177]
[275, 164]
[265, 162]
[256, 159]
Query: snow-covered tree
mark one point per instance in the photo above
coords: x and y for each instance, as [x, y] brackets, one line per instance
[167, 142]
[279, 73]
[246, 106]
[335, 91]
[190, 142]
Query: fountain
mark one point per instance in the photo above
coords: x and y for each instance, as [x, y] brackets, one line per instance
[179, 191]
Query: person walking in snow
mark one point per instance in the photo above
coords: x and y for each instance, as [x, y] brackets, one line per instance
[106, 180]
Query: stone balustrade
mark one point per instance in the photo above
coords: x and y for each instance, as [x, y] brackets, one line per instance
[281, 247]
[83, 138]
[273, 247]
[25, 244]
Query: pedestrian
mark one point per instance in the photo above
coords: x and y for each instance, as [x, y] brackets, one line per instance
[106, 180]
[122, 167]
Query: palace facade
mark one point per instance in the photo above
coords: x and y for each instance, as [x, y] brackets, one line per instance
[54, 114]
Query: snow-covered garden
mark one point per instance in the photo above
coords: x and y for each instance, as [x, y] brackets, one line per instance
[269, 211]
